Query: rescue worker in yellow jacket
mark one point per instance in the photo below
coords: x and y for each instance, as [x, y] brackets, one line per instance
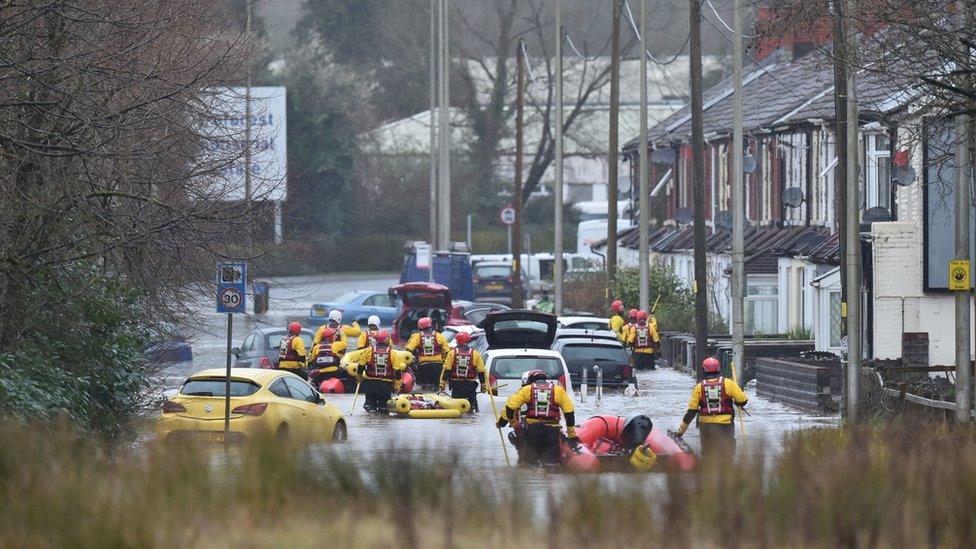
[368, 336]
[465, 369]
[537, 426]
[429, 347]
[291, 351]
[713, 400]
[342, 333]
[617, 322]
[323, 361]
[644, 339]
[379, 370]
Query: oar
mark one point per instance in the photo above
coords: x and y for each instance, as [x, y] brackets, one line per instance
[742, 419]
[355, 396]
[494, 416]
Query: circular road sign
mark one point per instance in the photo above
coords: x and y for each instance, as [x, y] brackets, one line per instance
[230, 298]
[507, 215]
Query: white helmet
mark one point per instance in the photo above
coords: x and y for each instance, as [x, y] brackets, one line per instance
[373, 321]
[335, 315]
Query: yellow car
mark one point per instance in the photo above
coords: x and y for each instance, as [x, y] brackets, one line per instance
[263, 403]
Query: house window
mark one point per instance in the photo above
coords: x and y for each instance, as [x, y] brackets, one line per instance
[835, 319]
[761, 305]
[877, 161]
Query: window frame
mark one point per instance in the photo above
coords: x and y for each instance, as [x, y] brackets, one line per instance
[281, 381]
[294, 384]
[877, 190]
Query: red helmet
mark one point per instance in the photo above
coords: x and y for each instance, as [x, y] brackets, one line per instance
[295, 328]
[632, 314]
[641, 315]
[711, 365]
[328, 333]
[382, 337]
[463, 338]
[425, 323]
[617, 306]
[532, 376]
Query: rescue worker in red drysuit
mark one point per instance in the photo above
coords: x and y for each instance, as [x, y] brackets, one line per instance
[379, 369]
[537, 425]
[713, 400]
[291, 351]
[617, 322]
[465, 369]
[644, 339]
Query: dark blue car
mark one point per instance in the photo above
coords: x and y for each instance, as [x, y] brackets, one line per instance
[356, 306]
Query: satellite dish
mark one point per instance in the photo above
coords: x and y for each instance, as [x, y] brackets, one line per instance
[903, 175]
[723, 220]
[793, 197]
[749, 164]
[664, 156]
[877, 214]
[683, 216]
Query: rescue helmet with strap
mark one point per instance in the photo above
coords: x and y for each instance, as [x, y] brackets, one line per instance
[533, 376]
[425, 323]
[295, 328]
[463, 338]
[617, 306]
[711, 365]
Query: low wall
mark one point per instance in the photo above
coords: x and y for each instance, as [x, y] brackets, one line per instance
[809, 384]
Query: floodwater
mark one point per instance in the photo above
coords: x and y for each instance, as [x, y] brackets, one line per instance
[663, 394]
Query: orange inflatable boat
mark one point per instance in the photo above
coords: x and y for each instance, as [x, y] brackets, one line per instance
[611, 439]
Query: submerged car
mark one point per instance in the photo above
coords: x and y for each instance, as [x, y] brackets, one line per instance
[592, 351]
[356, 306]
[260, 348]
[263, 403]
[519, 341]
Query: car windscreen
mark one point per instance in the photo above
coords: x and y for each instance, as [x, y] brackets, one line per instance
[594, 354]
[492, 271]
[273, 341]
[514, 366]
[213, 387]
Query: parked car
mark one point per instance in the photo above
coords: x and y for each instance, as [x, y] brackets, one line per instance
[493, 282]
[451, 269]
[356, 306]
[473, 311]
[260, 347]
[570, 333]
[264, 403]
[584, 322]
[419, 299]
[582, 352]
[518, 341]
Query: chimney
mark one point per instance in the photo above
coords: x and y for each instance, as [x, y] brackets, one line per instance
[791, 29]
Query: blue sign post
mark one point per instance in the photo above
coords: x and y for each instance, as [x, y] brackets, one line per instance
[231, 298]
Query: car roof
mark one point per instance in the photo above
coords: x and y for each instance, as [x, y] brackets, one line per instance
[260, 375]
[469, 328]
[497, 353]
[563, 333]
[604, 342]
[582, 318]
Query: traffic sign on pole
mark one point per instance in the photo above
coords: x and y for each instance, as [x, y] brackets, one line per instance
[231, 287]
[507, 215]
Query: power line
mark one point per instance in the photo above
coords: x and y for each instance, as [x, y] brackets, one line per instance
[528, 67]
[633, 27]
[724, 24]
[569, 40]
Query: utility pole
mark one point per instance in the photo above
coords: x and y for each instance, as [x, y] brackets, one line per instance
[444, 119]
[738, 201]
[517, 191]
[557, 239]
[248, 191]
[612, 149]
[698, 180]
[853, 252]
[432, 201]
[840, 147]
[963, 226]
[645, 202]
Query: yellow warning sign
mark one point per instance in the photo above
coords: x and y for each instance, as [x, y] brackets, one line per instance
[959, 275]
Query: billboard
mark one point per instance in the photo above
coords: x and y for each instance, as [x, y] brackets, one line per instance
[225, 135]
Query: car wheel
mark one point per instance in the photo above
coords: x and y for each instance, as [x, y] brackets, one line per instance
[340, 433]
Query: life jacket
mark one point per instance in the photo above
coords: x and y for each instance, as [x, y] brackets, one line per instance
[370, 338]
[714, 401]
[380, 365]
[463, 367]
[643, 339]
[287, 352]
[429, 345]
[542, 406]
[325, 358]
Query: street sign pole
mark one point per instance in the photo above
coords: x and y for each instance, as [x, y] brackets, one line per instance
[231, 298]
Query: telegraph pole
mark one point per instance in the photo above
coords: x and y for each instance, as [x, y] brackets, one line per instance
[557, 269]
[433, 124]
[853, 252]
[645, 202]
[517, 191]
[248, 191]
[698, 180]
[612, 149]
[738, 201]
[963, 226]
[444, 119]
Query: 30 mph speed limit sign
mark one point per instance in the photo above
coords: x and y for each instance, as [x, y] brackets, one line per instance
[507, 215]
[231, 287]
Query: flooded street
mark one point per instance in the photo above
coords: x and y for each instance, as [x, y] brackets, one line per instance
[663, 393]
